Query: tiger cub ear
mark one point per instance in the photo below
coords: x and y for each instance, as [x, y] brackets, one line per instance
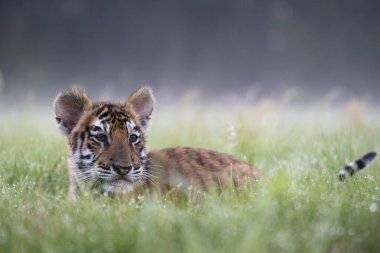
[69, 106]
[142, 102]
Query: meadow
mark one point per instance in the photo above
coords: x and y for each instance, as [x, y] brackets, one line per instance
[298, 205]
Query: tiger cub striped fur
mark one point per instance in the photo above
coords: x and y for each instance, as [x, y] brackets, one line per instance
[107, 149]
[359, 164]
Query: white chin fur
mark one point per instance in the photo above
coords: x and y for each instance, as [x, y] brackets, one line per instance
[118, 186]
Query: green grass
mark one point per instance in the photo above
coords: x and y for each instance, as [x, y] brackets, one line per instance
[298, 206]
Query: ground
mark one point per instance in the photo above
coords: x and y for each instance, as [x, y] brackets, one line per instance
[298, 206]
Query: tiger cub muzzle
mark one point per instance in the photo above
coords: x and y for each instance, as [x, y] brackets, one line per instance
[121, 156]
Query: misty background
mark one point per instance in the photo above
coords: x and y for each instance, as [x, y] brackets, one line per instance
[219, 48]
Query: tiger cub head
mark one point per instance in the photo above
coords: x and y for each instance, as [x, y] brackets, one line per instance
[106, 140]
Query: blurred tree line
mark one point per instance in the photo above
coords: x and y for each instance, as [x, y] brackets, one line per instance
[173, 45]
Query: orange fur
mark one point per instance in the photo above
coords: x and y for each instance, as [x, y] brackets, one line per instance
[182, 166]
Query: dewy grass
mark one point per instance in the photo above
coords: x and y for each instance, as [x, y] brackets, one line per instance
[298, 205]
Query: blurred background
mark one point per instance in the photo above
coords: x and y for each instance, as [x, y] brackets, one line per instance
[214, 49]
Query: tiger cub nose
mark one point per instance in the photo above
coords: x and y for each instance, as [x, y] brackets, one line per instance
[122, 170]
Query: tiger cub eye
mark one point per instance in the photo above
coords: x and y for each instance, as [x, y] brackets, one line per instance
[132, 138]
[101, 137]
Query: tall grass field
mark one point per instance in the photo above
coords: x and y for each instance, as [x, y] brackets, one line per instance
[297, 206]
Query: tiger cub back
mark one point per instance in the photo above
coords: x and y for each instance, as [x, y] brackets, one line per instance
[183, 167]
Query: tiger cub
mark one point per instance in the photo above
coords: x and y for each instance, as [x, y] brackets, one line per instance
[107, 149]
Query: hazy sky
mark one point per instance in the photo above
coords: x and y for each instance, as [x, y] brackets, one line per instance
[216, 46]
